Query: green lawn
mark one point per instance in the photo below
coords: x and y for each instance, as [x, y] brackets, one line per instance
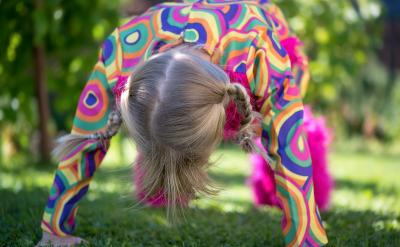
[365, 209]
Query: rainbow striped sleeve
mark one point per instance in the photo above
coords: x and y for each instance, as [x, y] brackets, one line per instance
[75, 171]
[270, 78]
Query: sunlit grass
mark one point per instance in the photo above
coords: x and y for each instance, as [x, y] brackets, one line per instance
[365, 209]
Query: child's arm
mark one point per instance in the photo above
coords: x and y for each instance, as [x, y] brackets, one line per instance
[270, 79]
[76, 170]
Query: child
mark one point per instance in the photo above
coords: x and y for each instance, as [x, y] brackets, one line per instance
[193, 68]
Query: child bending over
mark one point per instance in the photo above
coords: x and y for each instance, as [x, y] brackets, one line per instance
[178, 76]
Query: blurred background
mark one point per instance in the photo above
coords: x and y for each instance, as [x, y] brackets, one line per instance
[48, 48]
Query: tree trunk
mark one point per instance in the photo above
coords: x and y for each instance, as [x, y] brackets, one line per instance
[43, 102]
[39, 59]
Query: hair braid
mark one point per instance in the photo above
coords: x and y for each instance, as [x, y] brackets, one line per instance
[67, 143]
[113, 124]
[242, 101]
[246, 134]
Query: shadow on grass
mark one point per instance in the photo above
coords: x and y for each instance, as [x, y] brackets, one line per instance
[362, 228]
[110, 221]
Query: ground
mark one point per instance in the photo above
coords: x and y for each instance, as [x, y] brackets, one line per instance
[365, 207]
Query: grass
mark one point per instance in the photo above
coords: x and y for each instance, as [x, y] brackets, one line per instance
[365, 209]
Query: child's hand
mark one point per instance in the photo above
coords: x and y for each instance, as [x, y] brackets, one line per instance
[56, 241]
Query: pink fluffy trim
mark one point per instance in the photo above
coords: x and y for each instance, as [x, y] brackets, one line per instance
[291, 45]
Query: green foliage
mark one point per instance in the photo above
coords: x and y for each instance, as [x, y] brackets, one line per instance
[349, 83]
[71, 33]
[365, 209]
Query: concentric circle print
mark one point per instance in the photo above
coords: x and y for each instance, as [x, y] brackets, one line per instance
[92, 108]
[295, 154]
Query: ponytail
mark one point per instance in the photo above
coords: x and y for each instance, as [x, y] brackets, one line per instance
[66, 144]
[246, 135]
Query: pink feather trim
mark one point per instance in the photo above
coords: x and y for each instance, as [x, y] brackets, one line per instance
[291, 45]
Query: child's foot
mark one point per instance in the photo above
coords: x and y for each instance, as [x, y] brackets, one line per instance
[56, 241]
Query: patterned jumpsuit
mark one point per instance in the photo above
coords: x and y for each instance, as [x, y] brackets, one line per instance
[241, 37]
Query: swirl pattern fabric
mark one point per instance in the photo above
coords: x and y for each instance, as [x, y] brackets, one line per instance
[319, 137]
[241, 37]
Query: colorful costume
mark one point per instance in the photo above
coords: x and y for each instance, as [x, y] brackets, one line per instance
[262, 180]
[241, 37]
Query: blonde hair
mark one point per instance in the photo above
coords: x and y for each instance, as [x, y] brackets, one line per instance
[174, 107]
